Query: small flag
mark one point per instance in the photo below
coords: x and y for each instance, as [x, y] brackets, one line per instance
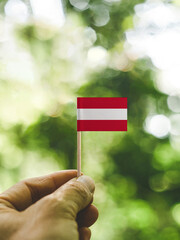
[101, 114]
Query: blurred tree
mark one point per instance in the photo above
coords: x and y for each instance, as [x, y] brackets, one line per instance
[137, 174]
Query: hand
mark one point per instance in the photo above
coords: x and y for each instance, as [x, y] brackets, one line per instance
[52, 207]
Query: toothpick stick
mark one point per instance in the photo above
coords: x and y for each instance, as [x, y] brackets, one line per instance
[78, 154]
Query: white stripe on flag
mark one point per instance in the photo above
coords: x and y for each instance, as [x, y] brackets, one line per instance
[101, 114]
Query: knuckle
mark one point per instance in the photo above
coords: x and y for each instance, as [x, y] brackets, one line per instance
[67, 201]
[78, 190]
[59, 207]
[52, 206]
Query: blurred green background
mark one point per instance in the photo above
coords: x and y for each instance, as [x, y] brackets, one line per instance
[53, 51]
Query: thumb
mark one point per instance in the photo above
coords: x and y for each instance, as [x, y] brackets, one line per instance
[73, 196]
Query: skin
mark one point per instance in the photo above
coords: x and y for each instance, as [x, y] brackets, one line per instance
[53, 207]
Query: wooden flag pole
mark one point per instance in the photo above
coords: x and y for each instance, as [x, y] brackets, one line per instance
[78, 154]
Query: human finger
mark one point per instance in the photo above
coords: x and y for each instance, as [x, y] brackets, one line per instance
[84, 233]
[71, 197]
[26, 192]
[87, 216]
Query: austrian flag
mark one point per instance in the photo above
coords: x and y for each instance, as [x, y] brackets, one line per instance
[101, 114]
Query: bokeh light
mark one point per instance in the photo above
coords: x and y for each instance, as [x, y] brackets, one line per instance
[176, 213]
[97, 56]
[80, 4]
[100, 15]
[158, 125]
[175, 124]
[157, 35]
[17, 10]
[49, 11]
[174, 103]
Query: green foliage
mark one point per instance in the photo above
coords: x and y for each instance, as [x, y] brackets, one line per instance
[137, 174]
[55, 135]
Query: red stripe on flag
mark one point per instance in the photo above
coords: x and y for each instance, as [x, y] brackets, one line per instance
[101, 125]
[101, 102]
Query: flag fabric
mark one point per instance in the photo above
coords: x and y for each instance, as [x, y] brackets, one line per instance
[101, 114]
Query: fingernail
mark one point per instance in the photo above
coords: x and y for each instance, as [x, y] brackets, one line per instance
[88, 182]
